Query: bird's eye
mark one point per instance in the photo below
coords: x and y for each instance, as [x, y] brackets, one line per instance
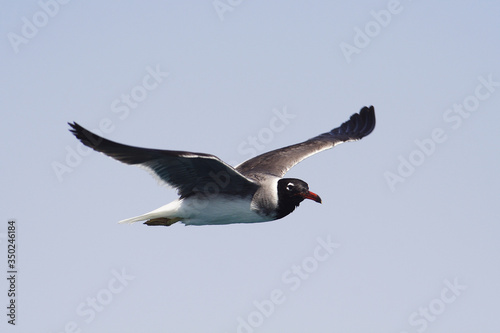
[290, 186]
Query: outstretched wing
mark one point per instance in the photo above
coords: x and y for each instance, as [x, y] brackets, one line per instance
[279, 161]
[188, 172]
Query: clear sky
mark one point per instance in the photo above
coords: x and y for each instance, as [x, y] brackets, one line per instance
[407, 237]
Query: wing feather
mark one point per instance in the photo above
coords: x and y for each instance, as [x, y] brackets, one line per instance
[190, 173]
[279, 161]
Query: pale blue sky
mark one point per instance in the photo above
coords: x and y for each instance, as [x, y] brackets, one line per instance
[411, 209]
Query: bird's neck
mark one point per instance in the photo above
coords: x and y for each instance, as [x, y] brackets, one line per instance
[285, 206]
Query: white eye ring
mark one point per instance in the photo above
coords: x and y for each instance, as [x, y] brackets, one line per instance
[289, 186]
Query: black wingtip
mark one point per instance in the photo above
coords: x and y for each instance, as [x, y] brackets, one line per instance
[75, 128]
[368, 119]
[359, 125]
[88, 138]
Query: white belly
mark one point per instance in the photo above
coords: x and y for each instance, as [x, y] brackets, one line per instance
[219, 210]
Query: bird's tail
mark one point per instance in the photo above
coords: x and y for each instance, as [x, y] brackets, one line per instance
[167, 212]
[138, 218]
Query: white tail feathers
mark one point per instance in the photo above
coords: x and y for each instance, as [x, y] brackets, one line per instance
[137, 218]
[168, 211]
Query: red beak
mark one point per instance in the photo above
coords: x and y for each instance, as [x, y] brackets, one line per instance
[312, 196]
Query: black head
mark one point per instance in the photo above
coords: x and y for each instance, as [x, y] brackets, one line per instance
[291, 192]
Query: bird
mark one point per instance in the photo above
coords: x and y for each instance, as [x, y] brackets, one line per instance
[211, 192]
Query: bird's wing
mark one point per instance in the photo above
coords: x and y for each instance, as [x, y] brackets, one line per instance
[190, 173]
[279, 161]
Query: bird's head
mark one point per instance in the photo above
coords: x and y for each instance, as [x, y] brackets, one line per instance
[294, 191]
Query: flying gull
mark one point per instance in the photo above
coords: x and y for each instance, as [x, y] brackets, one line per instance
[213, 192]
